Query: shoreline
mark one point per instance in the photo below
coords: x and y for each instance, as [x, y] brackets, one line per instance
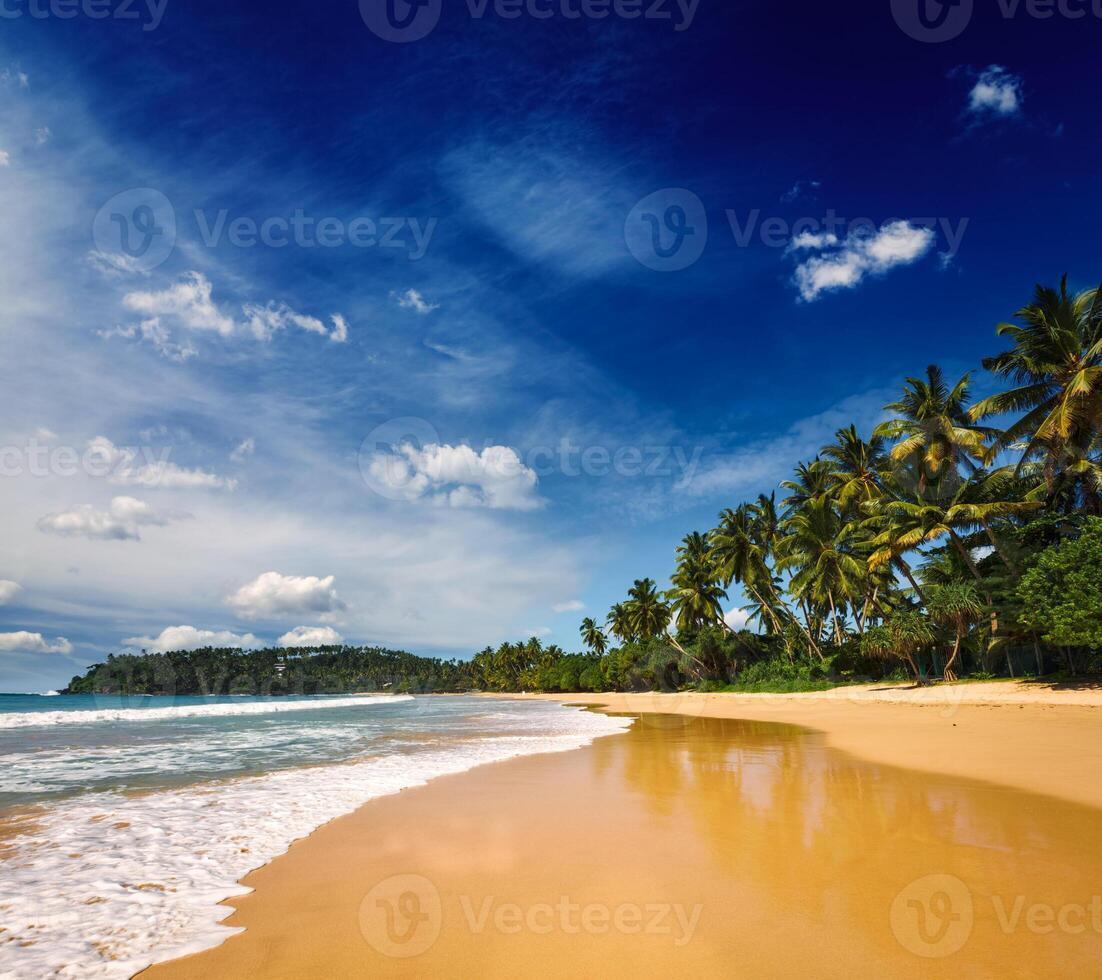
[462, 832]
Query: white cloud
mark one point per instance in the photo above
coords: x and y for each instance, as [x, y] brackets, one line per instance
[188, 302]
[801, 189]
[122, 521]
[997, 93]
[411, 299]
[574, 605]
[152, 474]
[273, 594]
[538, 631]
[458, 476]
[264, 321]
[42, 136]
[24, 642]
[311, 636]
[737, 619]
[42, 434]
[8, 590]
[189, 638]
[115, 265]
[243, 450]
[843, 265]
[5, 158]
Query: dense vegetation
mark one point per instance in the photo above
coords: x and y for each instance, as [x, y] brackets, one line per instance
[957, 538]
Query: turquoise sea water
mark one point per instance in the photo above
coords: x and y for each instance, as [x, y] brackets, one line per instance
[125, 821]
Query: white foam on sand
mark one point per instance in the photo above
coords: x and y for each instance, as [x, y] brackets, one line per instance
[105, 885]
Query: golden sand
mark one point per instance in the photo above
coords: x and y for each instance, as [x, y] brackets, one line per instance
[881, 840]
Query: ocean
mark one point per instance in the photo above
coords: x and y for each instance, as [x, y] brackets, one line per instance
[125, 821]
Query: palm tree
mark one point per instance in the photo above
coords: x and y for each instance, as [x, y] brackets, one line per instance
[739, 554]
[696, 597]
[593, 636]
[619, 623]
[1056, 363]
[904, 636]
[812, 481]
[934, 429]
[818, 551]
[647, 613]
[859, 467]
[957, 605]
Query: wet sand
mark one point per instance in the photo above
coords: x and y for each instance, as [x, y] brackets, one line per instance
[705, 846]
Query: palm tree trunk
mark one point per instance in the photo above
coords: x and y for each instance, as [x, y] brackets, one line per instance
[974, 568]
[906, 570]
[1000, 551]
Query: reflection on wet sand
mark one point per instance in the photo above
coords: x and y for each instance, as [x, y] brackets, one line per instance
[771, 855]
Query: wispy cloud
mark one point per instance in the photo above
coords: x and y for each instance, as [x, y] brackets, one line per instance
[411, 299]
[997, 94]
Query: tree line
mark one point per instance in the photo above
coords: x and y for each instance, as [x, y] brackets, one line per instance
[956, 538]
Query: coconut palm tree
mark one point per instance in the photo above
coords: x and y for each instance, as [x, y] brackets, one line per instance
[934, 430]
[1056, 363]
[904, 635]
[696, 597]
[619, 623]
[812, 481]
[859, 467]
[593, 636]
[647, 614]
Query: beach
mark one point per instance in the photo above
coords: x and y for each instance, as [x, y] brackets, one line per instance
[871, 832]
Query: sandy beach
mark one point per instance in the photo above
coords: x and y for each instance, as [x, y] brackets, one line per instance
[879, 833]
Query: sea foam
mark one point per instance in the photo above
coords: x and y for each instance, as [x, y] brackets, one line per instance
[107, 884]
[41, 719]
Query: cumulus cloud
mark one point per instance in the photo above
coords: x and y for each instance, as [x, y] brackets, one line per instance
[574, 605]
[411, 299]
[122, 521]
[189, 638]
[8, 590]
[273, 594]
[737, 619]
[24, 642]
[265, 321]
[996, 94]
[843, 264]
[189, 302]
[457, 476]
[123, 469]
[311, 636]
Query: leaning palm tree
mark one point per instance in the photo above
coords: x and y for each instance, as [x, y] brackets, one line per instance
[740, 554]
[958, 606]
[934, 431]
[593, 636]
[647, 613]
[1056, 364]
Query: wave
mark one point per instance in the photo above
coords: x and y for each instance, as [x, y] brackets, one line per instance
[104, 887]
[42, 719]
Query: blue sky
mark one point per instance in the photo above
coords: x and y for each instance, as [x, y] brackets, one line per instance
[472, 397]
